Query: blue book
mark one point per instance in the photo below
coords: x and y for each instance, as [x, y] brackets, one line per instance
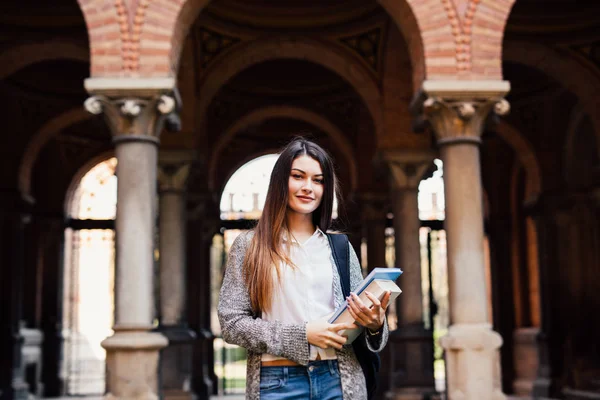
[389, 274]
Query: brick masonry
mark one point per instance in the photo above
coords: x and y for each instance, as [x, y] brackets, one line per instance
[447, 39]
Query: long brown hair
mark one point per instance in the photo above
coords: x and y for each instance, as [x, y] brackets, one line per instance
[266, 250]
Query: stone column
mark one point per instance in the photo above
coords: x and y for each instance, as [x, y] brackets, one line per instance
[51, 244]
[176, 359]
[13, 219]
[412, 344]
[203, 224]
[135, 110]
[457, 111]
[374, 217]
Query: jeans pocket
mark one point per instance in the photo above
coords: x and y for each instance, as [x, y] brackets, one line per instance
[270, 383]
[336, 369]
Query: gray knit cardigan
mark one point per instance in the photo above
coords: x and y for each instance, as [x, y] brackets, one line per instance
[240, 326]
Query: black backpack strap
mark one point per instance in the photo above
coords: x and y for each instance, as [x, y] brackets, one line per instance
[340, 248]
[369, 361]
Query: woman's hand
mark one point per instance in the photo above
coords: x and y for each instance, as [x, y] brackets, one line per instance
[325, 335]
[373, 317]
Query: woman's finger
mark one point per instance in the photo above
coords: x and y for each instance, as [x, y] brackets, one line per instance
[352, 305]
[373, 299]
[341, 326]
[357, 317]
[359, 304]
[385, 301]
[338, 339]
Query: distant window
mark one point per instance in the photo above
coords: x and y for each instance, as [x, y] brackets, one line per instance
[431, 195]
[96, 195]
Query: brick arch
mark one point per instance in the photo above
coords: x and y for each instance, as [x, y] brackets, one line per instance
[562, 66]
[263, 114]
[106, 29]
[452, 39]
[448, 39]
[21, 56]
[137, 38]
[51, 129]
[526, 156]
[327, 55]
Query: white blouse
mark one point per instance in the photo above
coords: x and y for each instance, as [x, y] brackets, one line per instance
[306, 290]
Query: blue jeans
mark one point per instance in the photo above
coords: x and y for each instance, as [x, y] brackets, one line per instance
[320, 380]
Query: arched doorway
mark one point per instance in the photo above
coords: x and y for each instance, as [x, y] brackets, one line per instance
[241, 205]
[88, 299]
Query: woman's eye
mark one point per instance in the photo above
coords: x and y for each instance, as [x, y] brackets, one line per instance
[297, 176]
[319, 181]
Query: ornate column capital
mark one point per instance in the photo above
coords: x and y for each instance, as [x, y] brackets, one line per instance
[134, 109]
[174, 169]
[407, 167]
[374, 206]
[457, 110]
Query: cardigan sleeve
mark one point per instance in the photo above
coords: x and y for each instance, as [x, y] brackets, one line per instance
[374, 343]
[241, 327]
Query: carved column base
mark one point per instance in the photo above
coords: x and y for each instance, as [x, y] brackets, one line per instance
[176, 362]
[472, 362]
[543, 385]
[32, 359]
[526, 360]
[205, 383]
[19, 390]
[411, 351]
[132, 364]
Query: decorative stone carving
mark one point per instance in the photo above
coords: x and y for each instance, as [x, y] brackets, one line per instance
[173, 169]
[367, 45]
[133, 115]
[131, 17]
[213, 43]
[457, 111]
[459, 120]
[407, 168]
[460, 15]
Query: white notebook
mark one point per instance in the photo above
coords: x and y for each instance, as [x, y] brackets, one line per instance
[378, 282]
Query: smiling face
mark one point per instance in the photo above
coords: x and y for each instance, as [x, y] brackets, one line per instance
[305, 185]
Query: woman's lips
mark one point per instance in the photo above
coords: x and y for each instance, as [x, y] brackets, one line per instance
[305, 198]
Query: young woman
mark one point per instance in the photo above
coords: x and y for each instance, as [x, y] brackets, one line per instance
[281, 283]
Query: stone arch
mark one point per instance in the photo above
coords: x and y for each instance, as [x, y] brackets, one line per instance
[21, 56]
[450, 39]
[218, 191]
[329, 56]
[108, 27]
[137, 39]
[39, 140]
[447, 38]
[525, 155]
[575, 76]
[258, 116]
[76, 179]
